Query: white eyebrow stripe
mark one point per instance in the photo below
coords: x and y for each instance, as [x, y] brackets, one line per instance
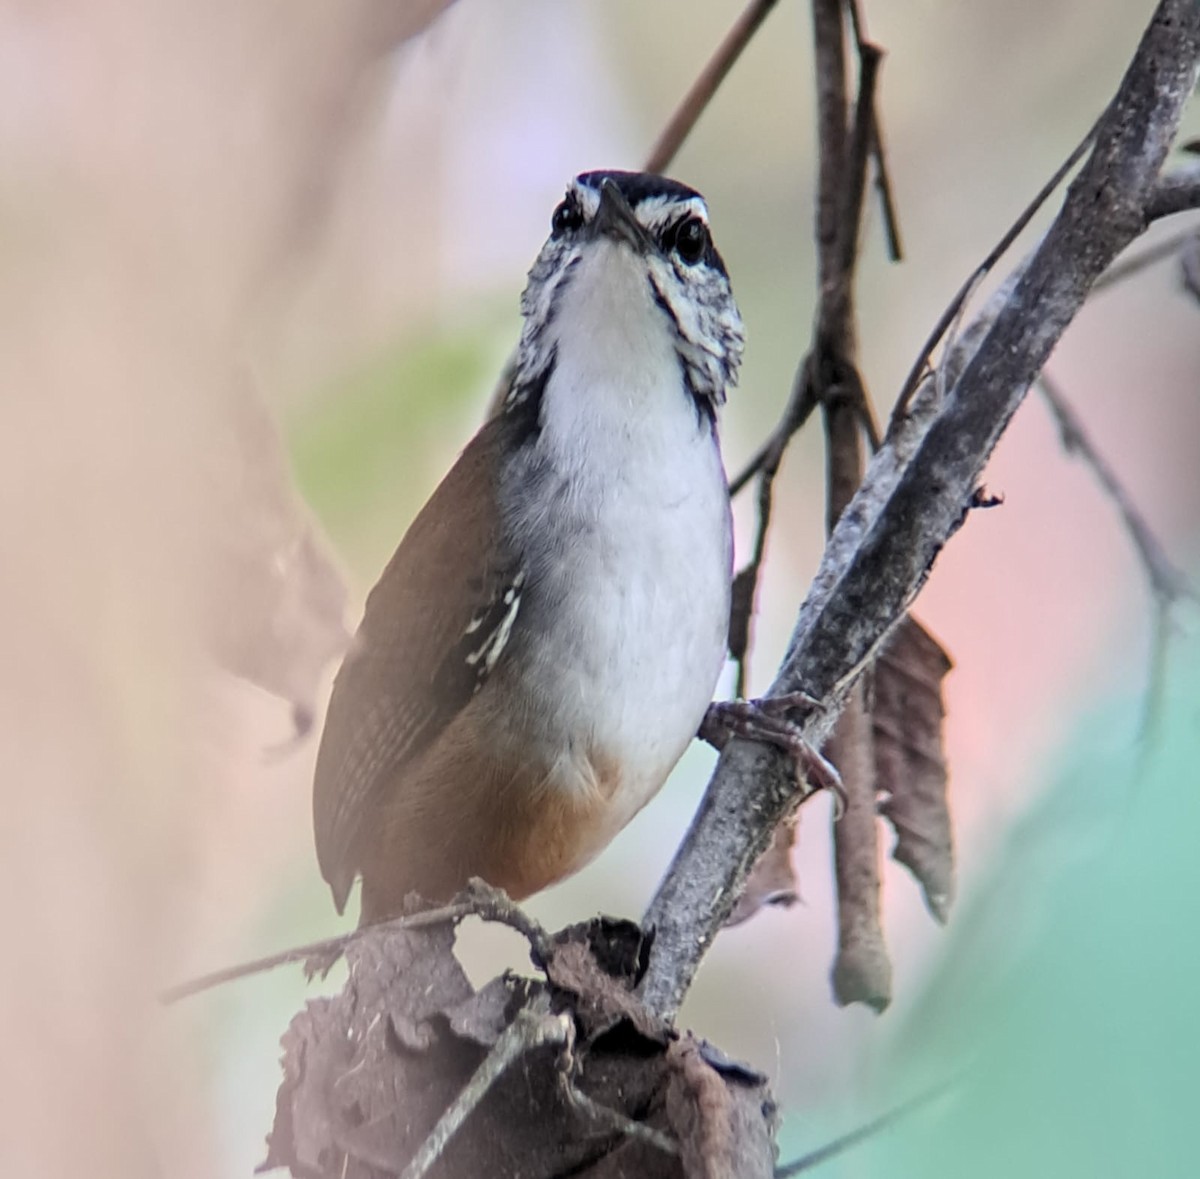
[653, 212]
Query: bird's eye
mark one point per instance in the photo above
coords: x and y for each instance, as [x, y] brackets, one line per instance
[567, 218]
[689, 239]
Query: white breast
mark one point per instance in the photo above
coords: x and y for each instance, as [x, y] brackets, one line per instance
[630, 539]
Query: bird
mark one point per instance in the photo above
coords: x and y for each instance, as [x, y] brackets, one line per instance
[547, 638]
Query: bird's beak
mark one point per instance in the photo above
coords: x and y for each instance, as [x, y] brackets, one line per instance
[614, 219]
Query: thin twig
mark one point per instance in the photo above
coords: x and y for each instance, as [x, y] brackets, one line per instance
[1189, 266]
[981, 271]
[329, 947]
[533, 1027]
[797, 411]
[823, 1154]
[802, 403]
[1156, 687]
[1167, 582]
[883, 182]
[887, 201]
[615, 1120]
[1177, 192]
[857, 158]
[844, 155]
[1126, 268]
[688, 112]
[477, 900]
[943, 374]
[1168, 585]
[862, 969]
[835, 204]
[747, 579]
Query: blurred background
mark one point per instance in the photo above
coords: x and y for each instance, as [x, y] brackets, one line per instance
[260, 269]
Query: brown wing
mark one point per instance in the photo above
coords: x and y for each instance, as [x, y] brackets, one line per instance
[418, 656]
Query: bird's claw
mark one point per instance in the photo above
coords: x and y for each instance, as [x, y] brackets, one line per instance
[769, 720]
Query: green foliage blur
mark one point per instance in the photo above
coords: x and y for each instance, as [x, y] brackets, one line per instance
[1066, 1006]
[366, 451]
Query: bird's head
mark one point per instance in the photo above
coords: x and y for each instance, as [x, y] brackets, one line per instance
[630, 265]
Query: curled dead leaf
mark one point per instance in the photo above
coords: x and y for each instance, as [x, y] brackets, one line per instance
[908, 717]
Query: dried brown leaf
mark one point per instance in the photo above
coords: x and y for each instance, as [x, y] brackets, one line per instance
[723, 1127]
[359, 1058]
[772, 881]
[600, 963]
[483, 1016]
[368, 1072]
[910, 761]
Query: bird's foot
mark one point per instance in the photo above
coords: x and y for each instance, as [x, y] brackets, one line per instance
[769, 720]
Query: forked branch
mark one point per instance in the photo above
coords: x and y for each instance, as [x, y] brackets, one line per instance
[919, 487]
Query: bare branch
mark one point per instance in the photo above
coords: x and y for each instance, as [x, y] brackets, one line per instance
[1166, 581]
[329, 947]
[918, 489]
[883, 187]
[827, 372]
[980, 272]
[1189, 265]
[799, 408]
[478, 899]
[1156, 682]
[688, 112]
[862, 971]
[837, 206]
[883, 182]
[1177, 192]
[533, 1027]
[1126, 268]
[616, 1121]
[746, 582]
[833, 135]
[840, 1145]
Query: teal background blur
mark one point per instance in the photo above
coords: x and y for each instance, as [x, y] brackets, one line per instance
[1064, 1003]
[197, 200]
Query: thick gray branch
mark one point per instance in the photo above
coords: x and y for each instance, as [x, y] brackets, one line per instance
[918, 489]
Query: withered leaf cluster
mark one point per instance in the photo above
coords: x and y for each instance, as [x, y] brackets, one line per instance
[369, 1072]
